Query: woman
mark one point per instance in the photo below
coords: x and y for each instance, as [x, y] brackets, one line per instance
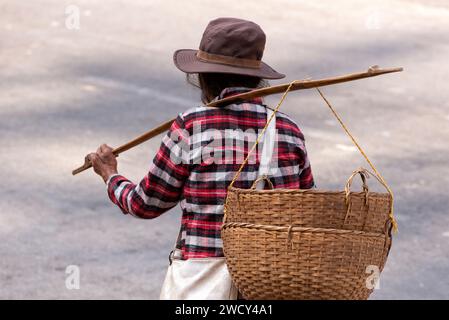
[196, 161]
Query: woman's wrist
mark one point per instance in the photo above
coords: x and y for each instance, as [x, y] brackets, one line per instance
[107, 175]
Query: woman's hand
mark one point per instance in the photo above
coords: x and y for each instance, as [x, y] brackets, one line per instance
[103, 162]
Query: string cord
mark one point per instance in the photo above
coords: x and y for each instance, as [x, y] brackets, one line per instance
[262, 133]
[379, 176]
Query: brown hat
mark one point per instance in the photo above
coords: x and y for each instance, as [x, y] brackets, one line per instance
[229, 45]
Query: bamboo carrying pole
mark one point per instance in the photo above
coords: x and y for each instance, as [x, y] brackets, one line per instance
[298, 85]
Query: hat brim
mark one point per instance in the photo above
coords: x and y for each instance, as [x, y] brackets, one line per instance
[187, 61]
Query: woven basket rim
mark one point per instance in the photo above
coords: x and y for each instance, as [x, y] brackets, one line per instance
[297, 229]
[312, 191]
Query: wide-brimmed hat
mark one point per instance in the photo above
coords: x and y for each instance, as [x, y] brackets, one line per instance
[228, 45]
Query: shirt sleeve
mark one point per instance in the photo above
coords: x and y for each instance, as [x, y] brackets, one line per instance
[161, 189]
[306, 180]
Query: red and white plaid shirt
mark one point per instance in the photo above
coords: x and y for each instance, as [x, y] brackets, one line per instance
[181, 174]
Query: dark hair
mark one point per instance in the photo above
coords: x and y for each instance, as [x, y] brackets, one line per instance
[212, 84]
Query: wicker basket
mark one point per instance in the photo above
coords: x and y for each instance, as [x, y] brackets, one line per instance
[306, 244]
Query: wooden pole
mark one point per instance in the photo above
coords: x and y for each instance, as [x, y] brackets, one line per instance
[140, 139]
[298, 85]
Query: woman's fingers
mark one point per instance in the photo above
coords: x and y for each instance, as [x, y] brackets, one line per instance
[105, 152]
[103, 161]
[105, 148]
[93, 157]
[97, 163]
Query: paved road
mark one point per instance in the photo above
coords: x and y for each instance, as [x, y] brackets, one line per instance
[63, 92]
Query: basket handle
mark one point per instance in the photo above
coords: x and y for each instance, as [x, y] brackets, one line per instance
[364, 174]
[376, 174]
[262, 178]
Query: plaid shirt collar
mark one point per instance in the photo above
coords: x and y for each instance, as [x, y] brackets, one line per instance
[232, 91]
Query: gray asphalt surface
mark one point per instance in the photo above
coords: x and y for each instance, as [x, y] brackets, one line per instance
[63, 92]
